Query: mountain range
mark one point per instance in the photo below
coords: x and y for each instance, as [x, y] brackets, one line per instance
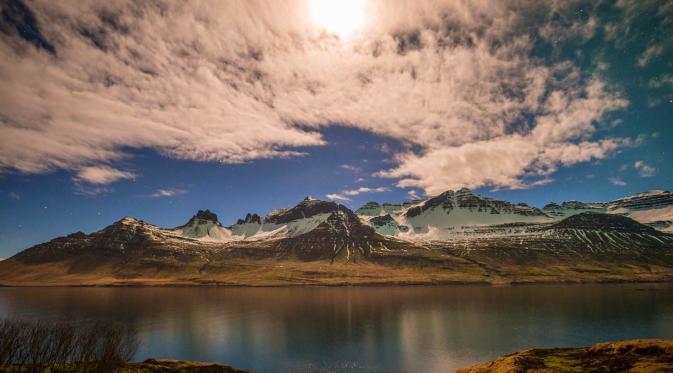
[454, 237]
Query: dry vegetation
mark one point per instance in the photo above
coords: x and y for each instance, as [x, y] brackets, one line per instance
[34, 345]
[28, 346]
[637, 356]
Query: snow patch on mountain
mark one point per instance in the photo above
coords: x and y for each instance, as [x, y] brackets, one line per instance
[204, 226]
[254, 231]
[441, 215]
[654, 208]
[370, 209]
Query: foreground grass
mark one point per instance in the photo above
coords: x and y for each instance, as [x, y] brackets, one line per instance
[637, 356]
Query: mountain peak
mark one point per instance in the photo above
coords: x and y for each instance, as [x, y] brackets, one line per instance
[202, 217]
[304, 209]
[128, 220]
[206, 215]
[250, 219]
[309, 198]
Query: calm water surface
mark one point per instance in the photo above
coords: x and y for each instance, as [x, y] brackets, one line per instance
[382, 329]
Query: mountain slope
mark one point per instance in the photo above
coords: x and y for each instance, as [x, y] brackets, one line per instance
[204, 226]
[341, 249]
[450, 210]
[454, 237]
[306, 216]
[590, 245]
[341, 236]
[387, 225]
[654, 208]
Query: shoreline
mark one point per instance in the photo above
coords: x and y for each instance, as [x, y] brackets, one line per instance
[344, 285]
[637, 355]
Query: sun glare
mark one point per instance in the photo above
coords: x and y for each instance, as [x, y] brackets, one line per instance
[342, 17]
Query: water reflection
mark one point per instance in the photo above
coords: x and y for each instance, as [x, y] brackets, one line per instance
[387, 329]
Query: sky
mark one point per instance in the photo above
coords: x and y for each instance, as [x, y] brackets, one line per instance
[156, 109]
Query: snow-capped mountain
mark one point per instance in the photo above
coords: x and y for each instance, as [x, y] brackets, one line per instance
[370, 209]
[450, 210]
[447, 215]
[342, 236]
[654, 208]
[570, 208]
[306, 216]
[204, 226]
[375, 209]
[456, 236]
[387, 225]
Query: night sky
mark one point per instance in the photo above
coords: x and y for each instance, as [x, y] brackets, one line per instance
[156, 110]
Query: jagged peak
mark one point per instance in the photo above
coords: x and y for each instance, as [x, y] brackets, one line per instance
[203, 217]
[309, 198]
[206, 215]
[250, 218]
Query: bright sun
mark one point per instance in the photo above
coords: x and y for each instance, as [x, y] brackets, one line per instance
[342, 17]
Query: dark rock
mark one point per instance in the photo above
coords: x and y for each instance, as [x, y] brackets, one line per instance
[305, 209]
[603, 222]
[78, 234]
[206, 215]
[380, 221]
[250, 219]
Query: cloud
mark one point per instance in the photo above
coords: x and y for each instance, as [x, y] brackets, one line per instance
[644, 169]
[649, 54]
[617, 181]
[665, 80]
[351, 168]
[413, 194]
[167, 192]
[101, 175]
[338, 197]
[457, 82]
[14, 196]
[345, 194]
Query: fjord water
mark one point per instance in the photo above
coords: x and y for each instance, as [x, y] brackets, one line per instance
[359, 329]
